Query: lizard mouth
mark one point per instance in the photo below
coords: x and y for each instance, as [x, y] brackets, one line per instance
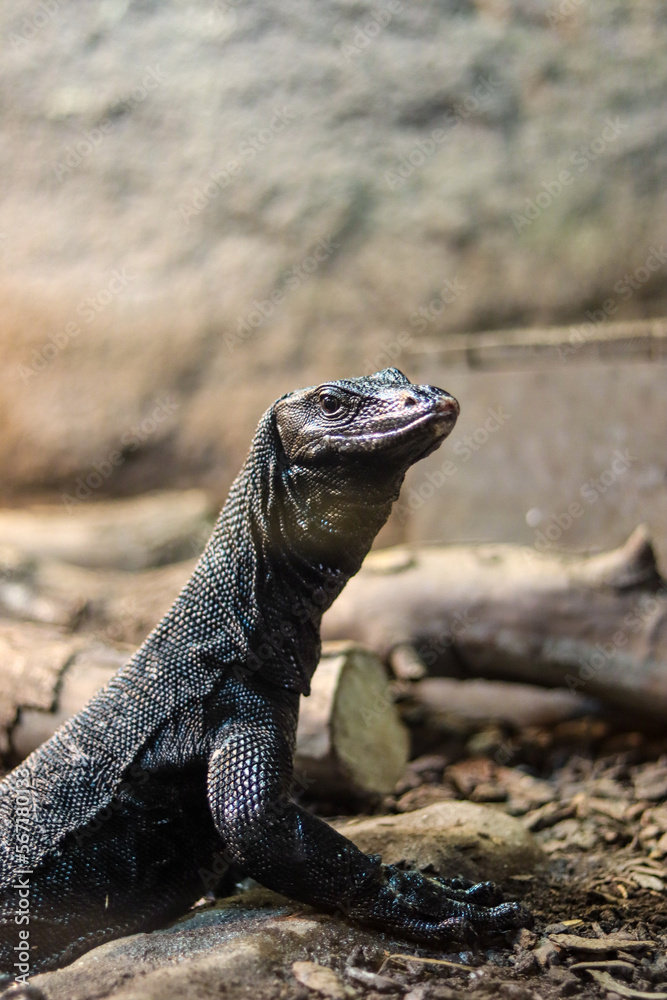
[425, 432]
[440, 423]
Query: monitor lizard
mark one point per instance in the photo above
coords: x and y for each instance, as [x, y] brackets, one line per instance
[185, 757]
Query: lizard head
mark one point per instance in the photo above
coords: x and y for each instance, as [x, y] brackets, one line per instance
[381, 422]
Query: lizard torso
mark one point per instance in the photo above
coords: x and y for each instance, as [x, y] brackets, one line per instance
[116, 823]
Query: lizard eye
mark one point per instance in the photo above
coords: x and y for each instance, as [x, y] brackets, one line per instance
[331, 404]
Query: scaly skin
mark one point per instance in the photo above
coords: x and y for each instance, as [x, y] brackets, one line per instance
[182, 765]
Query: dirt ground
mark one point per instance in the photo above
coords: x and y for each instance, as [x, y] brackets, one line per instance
[594, 794]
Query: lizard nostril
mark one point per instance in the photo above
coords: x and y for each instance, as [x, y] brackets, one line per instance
[409, 401]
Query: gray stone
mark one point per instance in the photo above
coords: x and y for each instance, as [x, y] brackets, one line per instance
[206, 203]
[247, 944]
[455, 838]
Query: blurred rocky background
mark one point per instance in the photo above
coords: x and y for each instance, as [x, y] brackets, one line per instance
[207, 204]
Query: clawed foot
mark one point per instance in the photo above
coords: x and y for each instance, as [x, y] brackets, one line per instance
[480, 893]
[442, 910]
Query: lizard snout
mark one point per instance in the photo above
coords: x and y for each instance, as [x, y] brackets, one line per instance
[447, 410]
[448, 406]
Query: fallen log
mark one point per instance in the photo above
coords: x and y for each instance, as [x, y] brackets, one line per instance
[33, 659]
[438, 701]
[350, 741]
[148, 530]
[116, 605]
[595, 625]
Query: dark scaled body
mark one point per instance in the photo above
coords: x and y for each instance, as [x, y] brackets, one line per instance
[182, 765]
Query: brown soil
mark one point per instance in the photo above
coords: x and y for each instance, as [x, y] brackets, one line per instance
[595, 797]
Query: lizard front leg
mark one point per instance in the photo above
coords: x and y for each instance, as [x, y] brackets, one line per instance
[294, 853]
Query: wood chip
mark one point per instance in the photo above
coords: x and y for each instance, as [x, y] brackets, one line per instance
[609, 898]
[609, 943]
[641, 863]
[613, 985]
[646, 881]
[320, 979]
[651, 781]
[548, 815]
[400, 957]
[611, 965]
[373, 980]
[614, 808]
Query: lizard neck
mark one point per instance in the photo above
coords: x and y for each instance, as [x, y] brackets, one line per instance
[286, 543]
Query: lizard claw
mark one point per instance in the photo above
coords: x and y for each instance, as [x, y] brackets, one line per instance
[442, 910]
[469, 927]
[463, 889]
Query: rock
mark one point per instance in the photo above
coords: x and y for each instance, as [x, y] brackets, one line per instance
[651, 781]
[246, 943]
[212, 203]
[526, 964]
[372, 981]
[455, 838]
[526, 938]
[424, 795]
[260, 938]
[320, 979]
[470, 772]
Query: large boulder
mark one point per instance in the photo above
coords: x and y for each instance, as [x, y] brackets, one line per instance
[205, 204]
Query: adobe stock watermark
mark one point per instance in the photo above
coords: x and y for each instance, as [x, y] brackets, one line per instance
[365, 33]
[250, 147]
[590, 492]
[464, 448]
[24, 819]
[87, 309]
[223, 17]
[389, 353]
[130, 441]
[391, 350]
[438, 646]
[274, 811]
[625, 288]
[77, 151]
[43, 13]
[424, 149]
[293, 278]
[449, 293]
[91, 139]
[564, 10]
[137, 776]
[581, 158]
[606, 654]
